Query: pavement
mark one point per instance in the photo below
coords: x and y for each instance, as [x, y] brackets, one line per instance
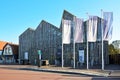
[67, 70]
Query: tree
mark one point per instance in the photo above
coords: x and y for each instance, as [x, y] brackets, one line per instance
[112, 50]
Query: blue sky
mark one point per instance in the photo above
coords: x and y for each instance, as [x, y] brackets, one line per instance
[17, 15]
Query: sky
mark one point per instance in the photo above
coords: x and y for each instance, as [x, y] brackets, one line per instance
[18, 15]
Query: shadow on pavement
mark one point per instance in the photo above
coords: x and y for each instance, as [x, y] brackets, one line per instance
[112, 67]
[105, 78]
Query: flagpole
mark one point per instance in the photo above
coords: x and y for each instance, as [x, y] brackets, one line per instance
[87, 44]
[74, 52]
[62, 43]
[74, 40]
[102, 40]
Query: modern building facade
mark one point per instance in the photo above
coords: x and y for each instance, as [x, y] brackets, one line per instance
[95, 48]
[26, 44]
[48, 38]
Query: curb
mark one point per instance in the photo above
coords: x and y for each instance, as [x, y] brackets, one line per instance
[67, 72]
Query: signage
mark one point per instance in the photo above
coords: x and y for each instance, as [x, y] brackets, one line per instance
[26, 55]
[39, 52]
[81, 56]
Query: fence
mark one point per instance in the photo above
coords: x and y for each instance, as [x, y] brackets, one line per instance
[114, 59]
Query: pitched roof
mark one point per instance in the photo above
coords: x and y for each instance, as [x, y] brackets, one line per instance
[14, 47]
[2, 44]
[27, 30]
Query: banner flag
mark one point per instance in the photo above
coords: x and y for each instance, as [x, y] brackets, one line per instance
[107, 27]
[78, 32]
[66, 31]
[92, 28]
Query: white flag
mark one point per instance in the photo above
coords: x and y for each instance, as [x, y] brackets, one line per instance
[66, 31]
[107, 28]
[92, 29]
[109, 35]
[78, 32]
